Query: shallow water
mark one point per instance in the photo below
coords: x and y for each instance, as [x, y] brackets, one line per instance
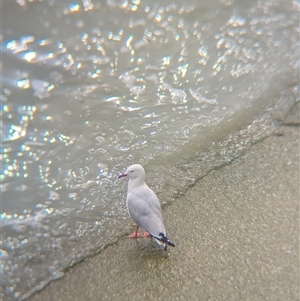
[90, 87]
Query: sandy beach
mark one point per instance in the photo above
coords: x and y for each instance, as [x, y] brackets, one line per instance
[236, 233]
[205, 95]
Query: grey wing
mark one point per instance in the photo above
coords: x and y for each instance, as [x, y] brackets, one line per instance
[144, 216]
[154, 203]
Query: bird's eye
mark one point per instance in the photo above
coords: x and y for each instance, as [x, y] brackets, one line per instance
[132, 171]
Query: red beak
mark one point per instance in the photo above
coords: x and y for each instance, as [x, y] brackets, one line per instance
[122, 176]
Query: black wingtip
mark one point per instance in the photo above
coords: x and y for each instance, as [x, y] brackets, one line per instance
[165, 240]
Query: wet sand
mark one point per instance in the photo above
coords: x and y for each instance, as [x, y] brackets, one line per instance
[236, 233]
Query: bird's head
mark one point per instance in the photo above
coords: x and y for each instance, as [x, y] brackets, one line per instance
[133, 172]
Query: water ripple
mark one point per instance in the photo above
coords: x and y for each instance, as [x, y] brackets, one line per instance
[90, 87]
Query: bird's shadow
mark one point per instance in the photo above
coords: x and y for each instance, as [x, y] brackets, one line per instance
[146, 248]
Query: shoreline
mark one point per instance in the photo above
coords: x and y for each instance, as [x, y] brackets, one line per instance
[236, 233]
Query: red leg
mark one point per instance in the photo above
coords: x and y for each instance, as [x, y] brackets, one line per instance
[135, 234]
[146, 234]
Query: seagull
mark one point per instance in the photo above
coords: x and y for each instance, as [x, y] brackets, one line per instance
[144, 207]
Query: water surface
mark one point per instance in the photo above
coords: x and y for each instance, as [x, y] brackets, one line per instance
[90, 87]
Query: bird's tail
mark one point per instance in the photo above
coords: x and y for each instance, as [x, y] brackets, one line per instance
[162, 238]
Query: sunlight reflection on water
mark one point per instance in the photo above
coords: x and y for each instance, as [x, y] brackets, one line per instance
[89, 88]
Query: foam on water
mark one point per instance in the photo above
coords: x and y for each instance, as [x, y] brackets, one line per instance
[89, 88]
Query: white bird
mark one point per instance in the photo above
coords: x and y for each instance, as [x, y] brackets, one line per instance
[144, 207]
